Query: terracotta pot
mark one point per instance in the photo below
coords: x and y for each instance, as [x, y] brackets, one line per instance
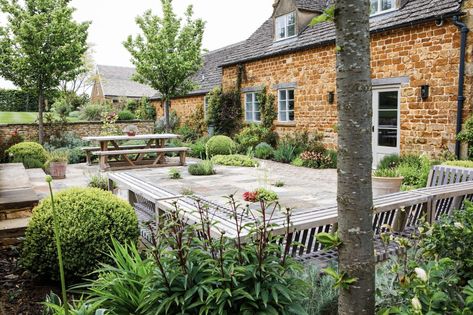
[386, 185]
[58, 170]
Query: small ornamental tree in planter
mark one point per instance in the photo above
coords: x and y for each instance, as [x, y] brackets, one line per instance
[386, 181]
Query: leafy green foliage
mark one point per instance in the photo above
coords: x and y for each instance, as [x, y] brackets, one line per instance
[386, 172]
[8, 142]
[197, 123]
[28, 150]
[88, 219]
[341, 279]
[126, 115]
[304, 141]
[220, 145]
[174, 173]
[327, 16]
[267, 109]
[279, 183]
[100, 182]
[187, 133]
[285, 153]
[329, 240]
[54, 306]
[17, 101]
[452, 237]
[174, 122]
[41, 46]
[189, 272]
[322, 295]
[413, 167]
[389, 161]
[266, 195]
[466, 135]
[203, 168]
[235, 160]
[467, 164]
[198, 148]
[69, 143]
[168, 53]
[224, 111]
[250, 136]
[93, 111]
[29, 162]
[264, 151]
[327, 159]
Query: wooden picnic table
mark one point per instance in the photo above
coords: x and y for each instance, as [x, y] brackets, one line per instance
[135, 158]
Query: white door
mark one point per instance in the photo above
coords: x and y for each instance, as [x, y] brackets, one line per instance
[386, 123]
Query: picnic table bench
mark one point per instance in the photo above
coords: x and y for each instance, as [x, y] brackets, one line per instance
[134, 156]
[89, 150]
[402, 212]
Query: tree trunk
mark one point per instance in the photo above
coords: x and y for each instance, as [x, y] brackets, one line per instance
[166, 115]
[355, 198]
[40, 116]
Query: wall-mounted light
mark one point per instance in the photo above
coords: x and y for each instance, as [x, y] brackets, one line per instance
[331, 97]
[424, 92]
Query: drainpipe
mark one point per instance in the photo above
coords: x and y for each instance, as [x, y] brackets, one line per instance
[461, 79]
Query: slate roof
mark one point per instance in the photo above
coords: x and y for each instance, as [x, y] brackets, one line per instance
[261, 45]
[312, 5]
[117, 82]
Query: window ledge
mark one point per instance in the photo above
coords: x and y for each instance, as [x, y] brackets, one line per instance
[285, 123]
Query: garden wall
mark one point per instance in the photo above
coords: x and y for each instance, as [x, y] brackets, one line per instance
[183, 106]
[80, 129]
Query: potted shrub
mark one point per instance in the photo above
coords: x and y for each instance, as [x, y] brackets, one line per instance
[57, 164]
[131, 130]
[386, 181]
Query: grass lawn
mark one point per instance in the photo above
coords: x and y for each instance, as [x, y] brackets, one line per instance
[23, 117]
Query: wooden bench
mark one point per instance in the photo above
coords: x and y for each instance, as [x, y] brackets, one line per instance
[400, 212]
[140, 161]
[89, 150]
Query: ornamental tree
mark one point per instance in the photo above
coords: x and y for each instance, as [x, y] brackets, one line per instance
[167, 53]
[40, 46]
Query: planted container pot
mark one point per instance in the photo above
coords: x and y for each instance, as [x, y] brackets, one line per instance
[131, 130]
[386, 181]
[58, 170]
[57, 164]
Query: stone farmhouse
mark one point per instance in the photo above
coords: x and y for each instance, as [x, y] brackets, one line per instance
[422, 72]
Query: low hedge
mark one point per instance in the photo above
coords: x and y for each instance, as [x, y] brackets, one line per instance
[28, 151]
[89, 218]
[203, 168]
[235, 160]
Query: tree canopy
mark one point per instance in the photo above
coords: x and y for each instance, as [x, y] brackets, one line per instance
[168, 52]
[40, 46]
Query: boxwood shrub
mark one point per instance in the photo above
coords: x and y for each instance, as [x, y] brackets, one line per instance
[28, 151]
[264, 151]
[220, 145]
[89, 218]
[235, 160]
[203, 168]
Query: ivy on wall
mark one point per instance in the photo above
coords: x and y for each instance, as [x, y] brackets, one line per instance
[268, 111]
[17, 101]
[224, 111]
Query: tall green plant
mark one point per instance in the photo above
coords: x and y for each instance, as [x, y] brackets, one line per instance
[168, 53]
[40, 46]
[225, 111]
[57, 239]
[268, 111]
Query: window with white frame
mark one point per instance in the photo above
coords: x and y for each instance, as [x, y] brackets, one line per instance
[252, 109]
[285, 26]
[380, 6]
[286, 105]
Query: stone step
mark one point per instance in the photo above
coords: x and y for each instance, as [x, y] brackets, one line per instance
[11, 231]
[15, 213]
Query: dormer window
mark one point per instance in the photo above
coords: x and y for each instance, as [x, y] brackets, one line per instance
[382, 6]
[285, 26]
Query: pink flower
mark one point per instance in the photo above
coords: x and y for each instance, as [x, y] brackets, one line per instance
[250, 196]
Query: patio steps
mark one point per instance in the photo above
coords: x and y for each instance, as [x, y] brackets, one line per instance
[17, 199]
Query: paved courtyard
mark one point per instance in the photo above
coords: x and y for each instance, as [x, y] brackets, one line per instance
[303, 188]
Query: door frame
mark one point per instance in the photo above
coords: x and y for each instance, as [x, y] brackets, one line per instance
[375, 120]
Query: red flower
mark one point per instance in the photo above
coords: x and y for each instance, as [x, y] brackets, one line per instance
[250, 196]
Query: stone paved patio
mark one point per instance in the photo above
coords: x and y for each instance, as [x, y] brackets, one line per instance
[303, 188]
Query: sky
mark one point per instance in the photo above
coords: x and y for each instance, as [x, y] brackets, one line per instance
[227, 22]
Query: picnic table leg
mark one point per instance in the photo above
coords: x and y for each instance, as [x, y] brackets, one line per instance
[160, 144]
[88, 157]
[103, 158]
[141, 156]
[182, 158]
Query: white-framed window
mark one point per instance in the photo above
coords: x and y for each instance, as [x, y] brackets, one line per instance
[286, 105]
[206, 106]
[285, 26]
[381, 6]
[252, 108]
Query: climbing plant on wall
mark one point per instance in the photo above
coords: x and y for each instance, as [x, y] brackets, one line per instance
[268, 111]
[225, 111]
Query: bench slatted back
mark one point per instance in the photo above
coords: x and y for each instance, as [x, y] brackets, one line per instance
[444, 175]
